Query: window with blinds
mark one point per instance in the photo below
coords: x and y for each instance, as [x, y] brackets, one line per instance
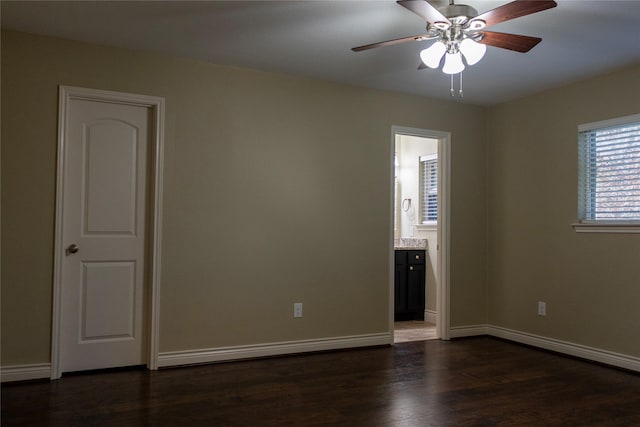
[428, 189]
[609, 170]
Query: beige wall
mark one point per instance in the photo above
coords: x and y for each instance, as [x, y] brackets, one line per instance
[277, 190]
[590, 282]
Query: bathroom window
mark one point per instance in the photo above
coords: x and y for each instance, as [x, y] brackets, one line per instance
[428, 189]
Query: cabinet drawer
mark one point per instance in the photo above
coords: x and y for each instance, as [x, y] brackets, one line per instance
[401, 257]
[416, 257]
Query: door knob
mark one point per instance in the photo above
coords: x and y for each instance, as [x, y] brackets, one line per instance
[72, 249]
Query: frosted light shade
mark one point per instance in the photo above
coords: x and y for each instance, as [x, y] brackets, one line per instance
[432, 55]
[453, 63]
[472, 51]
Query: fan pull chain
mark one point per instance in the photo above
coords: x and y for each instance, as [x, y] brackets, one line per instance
[452, 90]
[453, 93]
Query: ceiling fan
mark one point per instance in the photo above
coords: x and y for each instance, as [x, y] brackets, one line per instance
[460, 32]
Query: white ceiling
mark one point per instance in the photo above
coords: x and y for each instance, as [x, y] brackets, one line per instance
[581, 38]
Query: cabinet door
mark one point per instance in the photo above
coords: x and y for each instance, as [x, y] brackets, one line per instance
[400, 285]
[415, 288]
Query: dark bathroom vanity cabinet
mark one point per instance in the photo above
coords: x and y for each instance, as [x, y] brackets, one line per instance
[409, 284]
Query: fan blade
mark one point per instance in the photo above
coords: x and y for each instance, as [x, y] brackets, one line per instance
[424, 9]
[514, 42]
[424, 66]
[419, 37]
[515, 9]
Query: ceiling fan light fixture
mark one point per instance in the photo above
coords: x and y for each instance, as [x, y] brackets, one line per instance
[453, 63]
[472, 51]
[457, 28]
[432, 55]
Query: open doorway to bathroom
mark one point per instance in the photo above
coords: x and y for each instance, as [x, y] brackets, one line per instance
[420, 208]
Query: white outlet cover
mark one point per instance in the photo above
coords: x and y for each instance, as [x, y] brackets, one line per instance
[297, 309]
[542, 308]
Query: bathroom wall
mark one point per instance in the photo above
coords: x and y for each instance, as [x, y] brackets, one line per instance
[409, 149]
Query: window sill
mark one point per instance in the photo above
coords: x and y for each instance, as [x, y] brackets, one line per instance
[427, 227]
[606, 227]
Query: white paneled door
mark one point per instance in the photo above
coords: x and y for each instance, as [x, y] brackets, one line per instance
[103, 267]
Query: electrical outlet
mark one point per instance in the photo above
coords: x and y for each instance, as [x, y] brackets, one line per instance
[542, 308]
[297, 309]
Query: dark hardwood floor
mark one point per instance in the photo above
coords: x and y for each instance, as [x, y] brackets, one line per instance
[467, 382]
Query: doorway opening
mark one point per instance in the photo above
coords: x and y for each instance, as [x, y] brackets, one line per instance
[419, 253]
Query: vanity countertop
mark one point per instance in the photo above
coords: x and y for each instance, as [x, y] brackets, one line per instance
[409, 243]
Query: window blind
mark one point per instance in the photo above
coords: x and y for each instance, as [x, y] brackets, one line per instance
[609, 171]
[428, 189]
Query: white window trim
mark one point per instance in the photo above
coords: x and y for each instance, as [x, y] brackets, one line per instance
[603, 226]
[606, 227]
[427, 225]
[608, 123]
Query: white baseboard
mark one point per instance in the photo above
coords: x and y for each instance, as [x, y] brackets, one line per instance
[25, 372]
[467, 331]
[430, 316]
[189, 357]
[564, 347]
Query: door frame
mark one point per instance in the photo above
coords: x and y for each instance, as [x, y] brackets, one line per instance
[443, 227]
[154, 213]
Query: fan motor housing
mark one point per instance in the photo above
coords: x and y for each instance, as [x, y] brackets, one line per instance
[458, 13]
